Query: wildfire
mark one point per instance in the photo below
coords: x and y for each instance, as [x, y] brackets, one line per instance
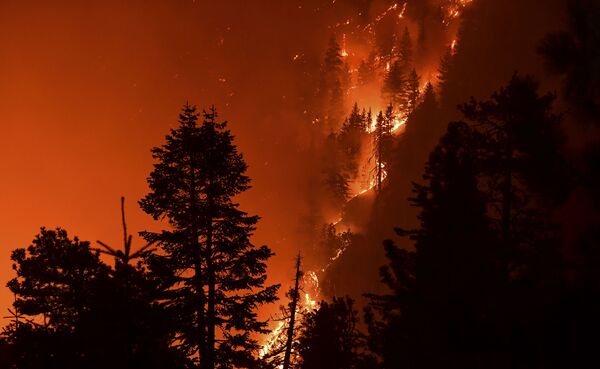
[308, 303]
[454, 9]
[311, 280]
[451, 10]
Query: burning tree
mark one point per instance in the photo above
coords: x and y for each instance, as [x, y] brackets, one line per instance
[351, 138]
[214, 274]
[279, 351]
[394, 85]
[398, 81]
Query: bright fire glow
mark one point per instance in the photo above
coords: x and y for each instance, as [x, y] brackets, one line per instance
[311, 279]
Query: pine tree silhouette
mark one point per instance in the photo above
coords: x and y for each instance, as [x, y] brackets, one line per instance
[214, 273]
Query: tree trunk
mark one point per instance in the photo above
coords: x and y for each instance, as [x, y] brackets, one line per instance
[200, 321]
[293, 305]
[210, 311]
[199, 285]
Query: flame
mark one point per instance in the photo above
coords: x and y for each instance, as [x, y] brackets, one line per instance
[401, 14]
[344, 53]
[272, 340]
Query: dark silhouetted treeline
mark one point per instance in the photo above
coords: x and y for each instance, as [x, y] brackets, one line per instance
[188, 298]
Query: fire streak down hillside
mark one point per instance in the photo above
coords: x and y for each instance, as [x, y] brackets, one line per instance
[365, 61]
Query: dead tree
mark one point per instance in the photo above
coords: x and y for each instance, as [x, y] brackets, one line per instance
[124, 256]
[295, 296]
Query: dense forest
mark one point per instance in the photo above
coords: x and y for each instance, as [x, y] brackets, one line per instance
[453, 215]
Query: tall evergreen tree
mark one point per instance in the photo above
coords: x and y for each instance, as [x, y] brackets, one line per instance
[397, 80]
[444, 70]
[523, 155]
[386, 44]
[382, 144]
[412, 91]
[215, 274]
[351, 138]
[335, 177]
[394, 83]
[334, 79]
[293, 308]
[405, 53]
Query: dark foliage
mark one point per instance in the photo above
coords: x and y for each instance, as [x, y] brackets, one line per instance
[329, 337]
[73, 311]
[214, 274]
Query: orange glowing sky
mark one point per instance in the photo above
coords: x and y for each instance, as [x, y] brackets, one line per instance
[88, 87]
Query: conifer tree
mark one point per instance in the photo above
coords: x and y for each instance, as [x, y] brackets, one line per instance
[330, 338]
[386, 44]
[366, 70]
[214, 273]
[522, 155]
[73, 311]
[397, 79]
[57, 278]
[335, 178]
[351, 138]
[382, 144]
[293, 307]
[394, 86]
[405, 53]
[412, 91]
[334, 79]
[444, 70]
